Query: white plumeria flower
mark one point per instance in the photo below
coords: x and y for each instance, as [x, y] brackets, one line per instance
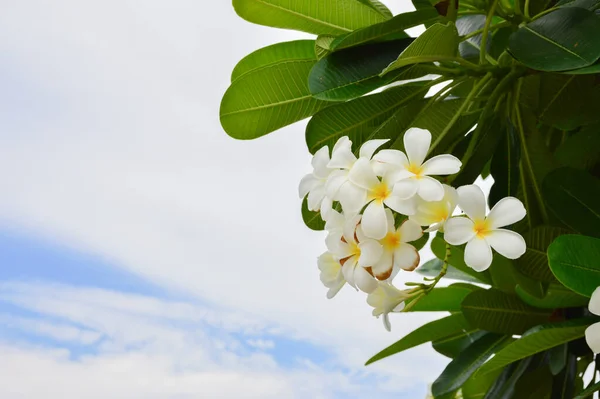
[592, 333]
[397, 253]
[415, 176]
[483, 233]
[435, 213]
[356, 253]
[338, 186]
[313, 184]
[331, 273]
[386, 299]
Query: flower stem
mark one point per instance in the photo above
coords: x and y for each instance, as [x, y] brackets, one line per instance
[485, 34]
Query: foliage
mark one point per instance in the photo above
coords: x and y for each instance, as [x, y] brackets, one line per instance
[519, 103]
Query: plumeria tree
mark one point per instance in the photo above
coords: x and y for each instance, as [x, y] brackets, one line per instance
[401, 128]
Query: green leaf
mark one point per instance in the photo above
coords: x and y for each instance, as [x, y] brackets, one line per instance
[574, 261]
[534, 262]
[586, 393]
[469, 49]
[572, 196]
[357, 118]
[558, 41]
[537, 339]
[379, 7]
[557, 358]
[385, 30]
[505, 166]
[457, 256]
[460, 369]
[454, 344]
[429, 332]
[478, 384]
[268, 98]
[589, 70]
[496, 311]
[332, 17]
[556, 297]
[581, 149]
[433, 267]
[352, 72]
[443, 299]
[535, 384]
[323, 45]
[438, 42]
[311, 219]
[277, 53]
[563, 384]
[587, 4]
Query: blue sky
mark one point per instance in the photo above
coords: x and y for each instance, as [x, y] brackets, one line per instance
[143, 253]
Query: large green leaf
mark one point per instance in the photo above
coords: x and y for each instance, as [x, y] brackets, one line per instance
[558, 41]
[379, 7]
[534, 262]
[439, 42]
[572, 196]
[385, 30]
[357, 118]
[478, 385]
[470, 48]
[323, 45]
[433, 267]
[274, 54]
[444, 299]
[581, 149]
[588, 392]
[505, 166]
[333, 17]
[352, 72]
[537, 339]
[452, 345]
[535, 384]
[311, 219]
[556, 297]
[464, 365]
[574, 260]
[429, 332]
[563, 384]
[268, 98]
[457, 256]
[496, 311]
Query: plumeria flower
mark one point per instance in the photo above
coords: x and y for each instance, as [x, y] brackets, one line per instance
[313, 184]
[331, 273]
[355, 253]
[386, 299]
[415, 177]
[397, 253]
[592, 333]
[483, 233]
[435, 213]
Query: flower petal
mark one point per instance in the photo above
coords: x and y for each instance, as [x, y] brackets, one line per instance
[386, 322]
[319, 163]
[342, 156]
[405, 207]
[364, 281]
[507, 211]
[392, 157]
[472, 201]
[478, 254]
[326, 208]
[370, 253]
[362, 174]
[406, 257]
[369, 147]
[335, 221]
[350, 228]
[352, 197]
[458, 230]
[315, 197]
[594, 306]
[405, 189]
[410, 231]
[307, 183]
[334, 182]
[430, 189]
[507, 243]
[383, 268]
[416, 143]
[336, 246]
[374, 221]
[348, 269]
[434, 227]
[592, 337]
[444, 164]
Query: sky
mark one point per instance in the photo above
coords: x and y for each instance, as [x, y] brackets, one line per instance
[143, 252]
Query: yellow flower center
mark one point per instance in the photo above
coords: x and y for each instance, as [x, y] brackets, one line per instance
[391, 241]
[416, 169]
[441, 212]
[380, 192]
[481, 228]
[354, 249]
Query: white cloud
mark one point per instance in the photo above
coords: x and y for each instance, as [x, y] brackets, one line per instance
[112, 146]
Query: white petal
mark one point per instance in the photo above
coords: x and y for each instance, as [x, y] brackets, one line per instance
[307, 183]
[386, 322]
[369, 147]
[348, 269]
[592, 337]
[335, 221]
[392, 157]
[472, 201]
[445, 164]
[451, 196]
[334, 182]
[362, 174]
[478, 254]
[350, 228]
[405, 189]
[507, 211]
[335, 245]
[319, 163]
[410, 231]
[416, 144]
[315, 197]
[326, 208]
[405, 207]
[364, 281]
[374, 221]
[352, 197]
[335, 288]
[390, 220]
[458, 230]
[430, 189]
[406, 257]
[383, 268]
[342, 156]
[594, 306]
[507, 243]
[434, 227]
[370, 253]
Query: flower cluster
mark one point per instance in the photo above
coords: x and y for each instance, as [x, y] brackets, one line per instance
[377, 204]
